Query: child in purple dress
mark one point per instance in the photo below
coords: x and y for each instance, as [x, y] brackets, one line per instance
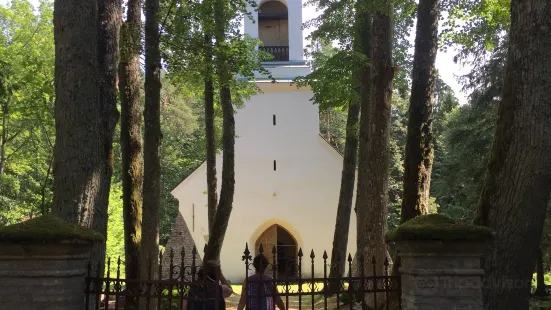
[262, 290]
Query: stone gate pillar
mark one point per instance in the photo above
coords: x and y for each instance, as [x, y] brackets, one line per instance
[440, 263]
[43, 264]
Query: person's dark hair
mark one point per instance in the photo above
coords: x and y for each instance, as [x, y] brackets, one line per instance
[260, 262]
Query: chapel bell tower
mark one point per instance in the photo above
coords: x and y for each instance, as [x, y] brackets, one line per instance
[278, 24]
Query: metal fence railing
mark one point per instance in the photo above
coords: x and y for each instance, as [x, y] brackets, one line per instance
[296, 290]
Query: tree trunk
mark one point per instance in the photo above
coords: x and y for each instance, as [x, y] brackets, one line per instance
[362, 40]
[378, 145]
[131, 142]
[518, 181]
[223, 211]
[4, 135]
[419, 153]
[210, 134]
[348, 178]
[419, 148]
[540, 278]
[225, 205]
[78, 145]
[109, 12]
[152, 141]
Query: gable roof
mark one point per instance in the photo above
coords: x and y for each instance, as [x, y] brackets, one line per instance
[331, 145]
[179, 239]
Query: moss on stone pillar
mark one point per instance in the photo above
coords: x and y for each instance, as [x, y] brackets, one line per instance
[436, 227]
[48, 229]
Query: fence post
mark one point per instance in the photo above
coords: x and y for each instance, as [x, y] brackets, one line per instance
[440, 263]
[246, 258]
[43, 264]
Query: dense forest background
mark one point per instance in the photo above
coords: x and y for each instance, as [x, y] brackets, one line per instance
[462, 134]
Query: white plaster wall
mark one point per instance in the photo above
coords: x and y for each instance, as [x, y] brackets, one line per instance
[295, 29]
[306, 183]
[251, 25]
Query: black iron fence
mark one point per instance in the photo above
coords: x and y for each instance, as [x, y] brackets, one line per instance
[113, 291]
[280, 53]
[264, 291]
[306, 290]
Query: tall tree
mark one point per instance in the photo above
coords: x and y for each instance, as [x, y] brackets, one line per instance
[210, 135]
[335, 85]
[5, 95]
[110, 16]
[377, 148]
[152, 140]
[518, 180]
[225, 204]
[78, 162]
[192, 28]
[346, 194]
[419, 144]
[131, 140]
[364, 33]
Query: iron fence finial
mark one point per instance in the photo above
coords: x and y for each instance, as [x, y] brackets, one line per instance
[246, 253]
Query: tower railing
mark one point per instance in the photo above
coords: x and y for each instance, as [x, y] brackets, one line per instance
[280, 53]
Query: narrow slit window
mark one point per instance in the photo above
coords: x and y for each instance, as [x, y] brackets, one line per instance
[274, 119]
[275, 166]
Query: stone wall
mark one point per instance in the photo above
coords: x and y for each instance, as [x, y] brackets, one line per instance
[440, 263]
[43, 264]
[437, 277]
[41, 277]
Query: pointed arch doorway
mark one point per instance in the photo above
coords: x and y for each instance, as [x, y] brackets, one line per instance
[286, 246]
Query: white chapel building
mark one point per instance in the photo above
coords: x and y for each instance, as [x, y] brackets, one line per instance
[287, 177]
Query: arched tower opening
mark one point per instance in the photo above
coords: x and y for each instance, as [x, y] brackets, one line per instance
[273, 29]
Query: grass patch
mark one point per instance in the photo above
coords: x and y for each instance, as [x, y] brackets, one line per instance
[437, 227]
[48, 228]
[237, 289]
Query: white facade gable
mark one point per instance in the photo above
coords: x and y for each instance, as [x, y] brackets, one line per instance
[285, 173]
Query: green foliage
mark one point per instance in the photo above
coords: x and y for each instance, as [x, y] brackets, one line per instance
[461, 158]
[333, 80]
[115, 231]
[478, 26]
[183, 148]
[398, 135]
[464, 139]
[188, 37]
[333, 124]
[333, 127]
[48, 228]
[438, 227]
[27, 97]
